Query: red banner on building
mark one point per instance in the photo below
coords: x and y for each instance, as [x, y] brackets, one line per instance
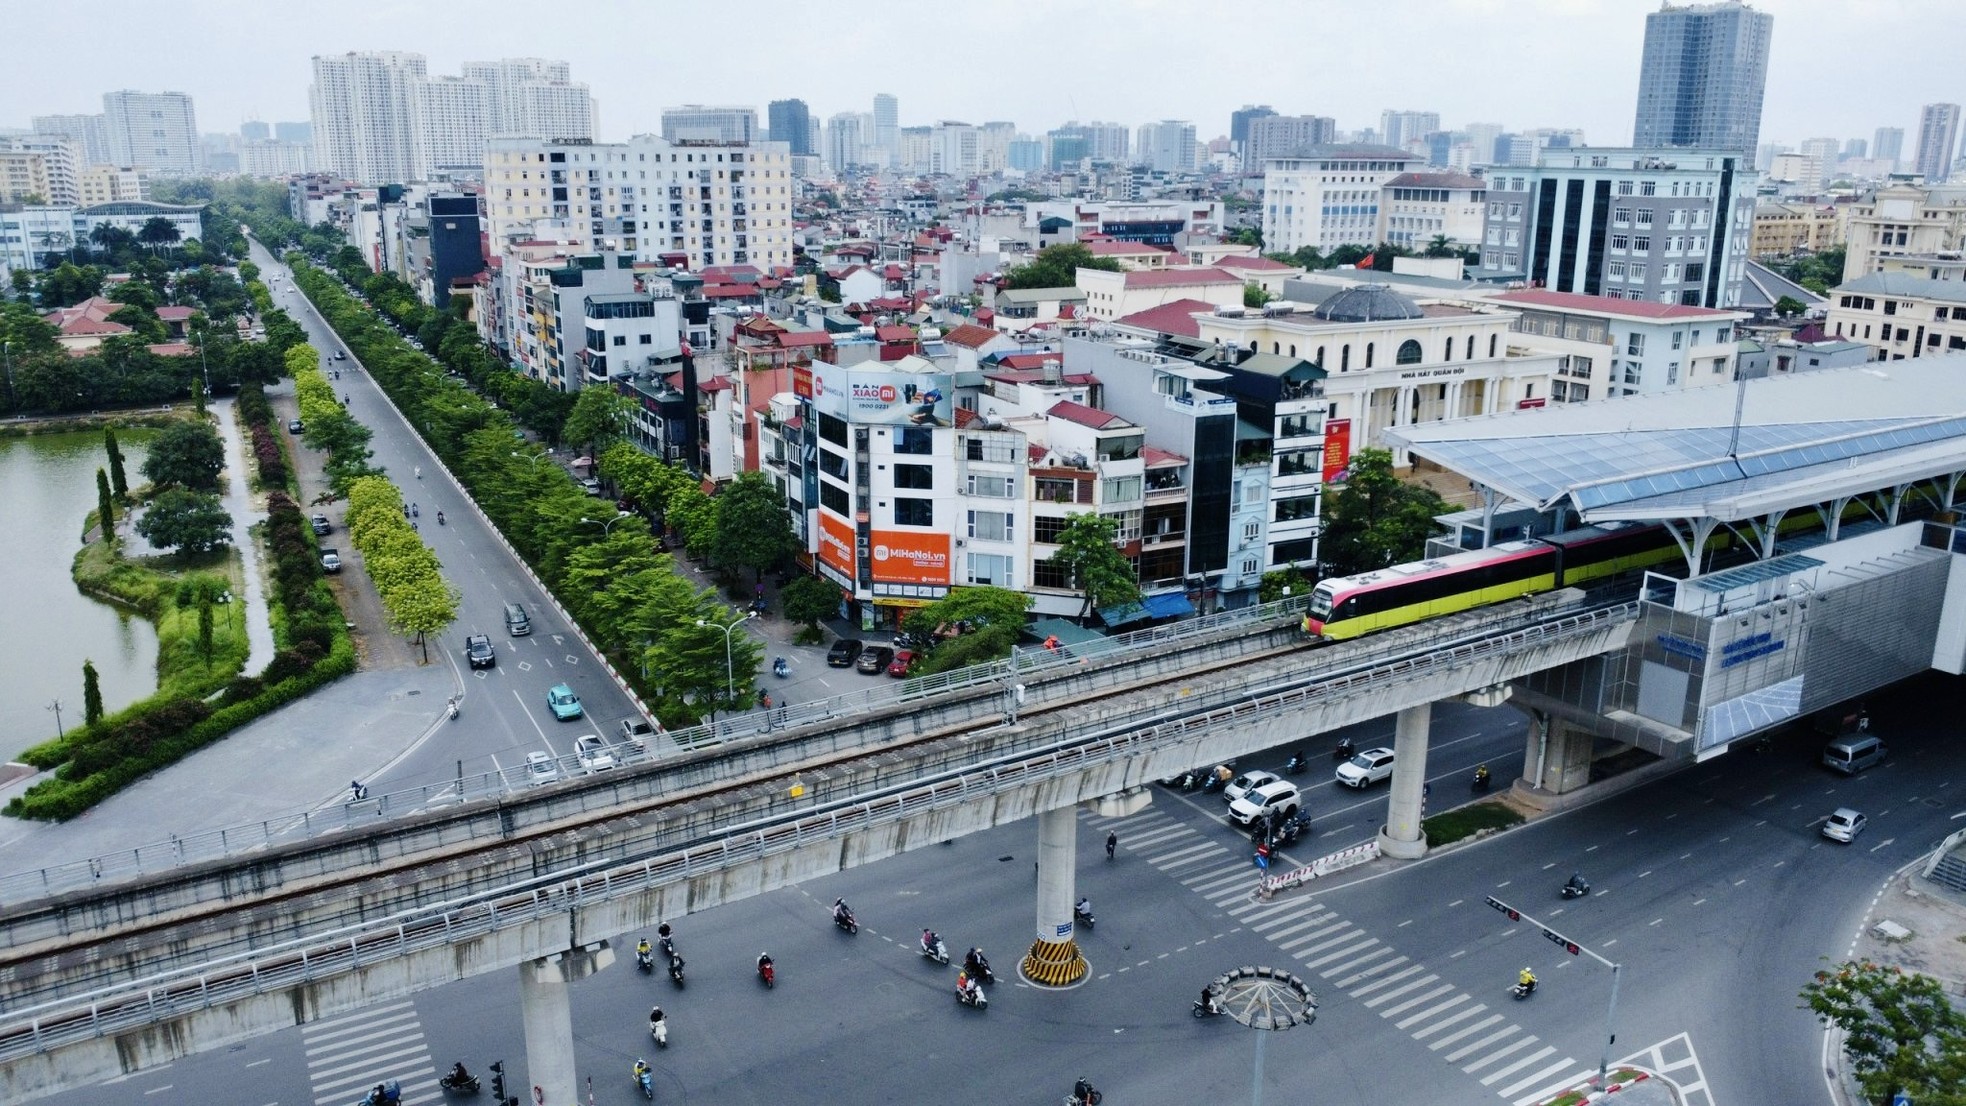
[802, 381]
[1337, 449]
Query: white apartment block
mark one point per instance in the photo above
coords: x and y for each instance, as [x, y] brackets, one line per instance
[1899, 315]
[1327, 196]
[953, 149]
[450, 132]
[1417, 207]
[44, 165]
[103, 184]
[157, 131]
[90, 130]
[364, 113]
[702, 203]
[702, 123]
[24, 178]
[273, 158]
[534, 96]
[1903, 220]
[844, 142]
[1611, 347]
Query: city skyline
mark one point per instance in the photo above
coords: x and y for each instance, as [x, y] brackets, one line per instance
[266, 56]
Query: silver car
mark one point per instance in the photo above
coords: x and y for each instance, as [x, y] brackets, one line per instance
[1844, 825]
[593, 753]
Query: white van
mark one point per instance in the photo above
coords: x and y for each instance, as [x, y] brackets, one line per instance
[1852, 753]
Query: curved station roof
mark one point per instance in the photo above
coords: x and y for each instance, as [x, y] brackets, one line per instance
[1801, 440]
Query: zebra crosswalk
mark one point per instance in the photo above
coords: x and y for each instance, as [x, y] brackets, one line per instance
[347, 1056]
[1502, 1056]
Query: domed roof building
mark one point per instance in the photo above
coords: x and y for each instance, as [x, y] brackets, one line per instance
[1368, 303]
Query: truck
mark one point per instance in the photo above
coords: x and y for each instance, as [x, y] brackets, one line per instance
[330, 560]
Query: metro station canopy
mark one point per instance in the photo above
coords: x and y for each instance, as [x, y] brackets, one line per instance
[1804, 439]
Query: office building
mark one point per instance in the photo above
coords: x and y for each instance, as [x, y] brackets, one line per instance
[1067, 147]
[953, 149]
[1416, 208]
[790, 122]
[1856, 148]
[887, 124]
[1938, 133]
[1026, 154]
[691, 204]
[993, 146]
[1239, 121]
[1401, 129]
[90, 130]
[364, 108]
[701, 123]
[1668, 226]
[48, 166]
[1903, 220]
[1280, 135]
[154, 131]
[107, 184]
[1327, 196]
[1701, 79]
[1169, 146]
[1899, 315]
[843, 142]
[1888, 144]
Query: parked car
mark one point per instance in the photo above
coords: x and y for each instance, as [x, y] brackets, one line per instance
[320, 523]
[904, 659]
[1367, 768]
[874, 660]
[1247, 782]
[541, 768]
[295, 425]
[478, 650]
[330, 560]
[563, 702]
[1277, 800]
[593, 753]
[844, 652]
[591, 486]
[1844, 825]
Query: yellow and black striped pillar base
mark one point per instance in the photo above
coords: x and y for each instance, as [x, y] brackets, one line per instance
[1054, 963]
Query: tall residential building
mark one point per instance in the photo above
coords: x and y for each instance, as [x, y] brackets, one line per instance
[450, 132]
[887, 123]
[953, 149]
[24, 179]
[701, 123]
[1856, 147]
[993, 146]
[1109, 140]
[1169, 146]
[107, 184]
[1702, 76]
[1667, 226]
[1026, 153]
[1239, 121]
[1888, 144]
[1279, 135]
[273, 158]
[697, 203]
[46, 165]
[1067, 146]
[294, 132]
[1938, 131]
[843, 141]
[90, 130]
[157, 131]
[790, 122]
[253, 130]
[1400, 129]
[1327, 196]
[364, 115]
[917, 145]
[533, 96]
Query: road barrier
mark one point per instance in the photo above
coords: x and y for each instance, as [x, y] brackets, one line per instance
[1322, 866]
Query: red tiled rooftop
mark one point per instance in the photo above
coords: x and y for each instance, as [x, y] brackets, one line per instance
[1036, 376]
[1169, 318]
[1178, 277]
[1643, 309]
[804, 338]
[176, 313]
[171, 349]
[970, 336]
[1085, 416]
[728, 291]
[84, 327]
[894, 334]
[1158, 458]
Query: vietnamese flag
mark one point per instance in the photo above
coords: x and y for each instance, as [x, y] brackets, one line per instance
[1366, 263]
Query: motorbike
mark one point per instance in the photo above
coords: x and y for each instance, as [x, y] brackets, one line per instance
[452, 705]
[643, 961]
[1082, 913]
[1092, 1097]
[1217, 780]
[1292, 829]
[1523, 990]
[972, 995]
[1295, 764]
[980, 971]
[1576, 888]
[468, 1085]
[660, 1031]
[1480, 781]
[779, 668]
[676, 969]
[847, 922]
[645, 1079]
[765, 971]
[1191, 779]
[440, 518]
[1345, 750]
[386, 1094]
[935, 951]
[1209, 1010]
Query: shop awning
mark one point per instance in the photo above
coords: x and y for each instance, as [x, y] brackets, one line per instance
[1124, 614]
[1173, 604]
[1067, 633]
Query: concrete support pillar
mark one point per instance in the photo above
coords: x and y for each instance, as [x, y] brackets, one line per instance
[1054, 959]
[1557, 757]
[548, 1021]
[1401, 837]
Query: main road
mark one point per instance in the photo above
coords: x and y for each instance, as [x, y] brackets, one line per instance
[1712, 887]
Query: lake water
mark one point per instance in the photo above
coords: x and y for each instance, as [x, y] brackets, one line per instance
[48, 627]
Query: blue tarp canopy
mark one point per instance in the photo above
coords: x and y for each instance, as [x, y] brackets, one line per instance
[1067, 633]
[1170, 605]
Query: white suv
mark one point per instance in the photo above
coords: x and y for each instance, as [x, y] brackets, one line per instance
[1277, 799]
[593, 753]
[1366, 769]
[1247, 782]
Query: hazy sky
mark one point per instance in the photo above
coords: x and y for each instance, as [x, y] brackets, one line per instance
[1839, 67]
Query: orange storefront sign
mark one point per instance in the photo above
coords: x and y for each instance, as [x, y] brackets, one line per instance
[836, 544]
[907, 557]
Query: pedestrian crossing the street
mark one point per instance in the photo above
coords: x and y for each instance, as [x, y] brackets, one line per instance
[348, 1056]
[1453, 1024]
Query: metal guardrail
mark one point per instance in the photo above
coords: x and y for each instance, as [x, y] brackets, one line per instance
[677, 851]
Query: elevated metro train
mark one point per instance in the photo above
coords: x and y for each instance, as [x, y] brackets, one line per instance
[1348, 606]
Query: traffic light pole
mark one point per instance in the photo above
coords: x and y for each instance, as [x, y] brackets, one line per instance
[1575, 949]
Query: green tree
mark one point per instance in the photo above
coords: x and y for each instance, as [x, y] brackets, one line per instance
[68, 284]
[753, 528]
[185, 455]
[810, 600]
[118, 482]
[158, 231]
[1255, 295]
[1094, 564]
[422, 607]
[1900, 1031]
[1284, 583]
[1376, 520]
[1247, 236]
[105, 507]
[1440, 245]
[696, 676]
[995, 617]
[188, 521]
[598, 420]
[1057, 267]
[1788, 307]
[91, 694]
[205, 628]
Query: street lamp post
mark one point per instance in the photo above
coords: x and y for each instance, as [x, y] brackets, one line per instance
[730, 671]
[608, 524]
[7, 361]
